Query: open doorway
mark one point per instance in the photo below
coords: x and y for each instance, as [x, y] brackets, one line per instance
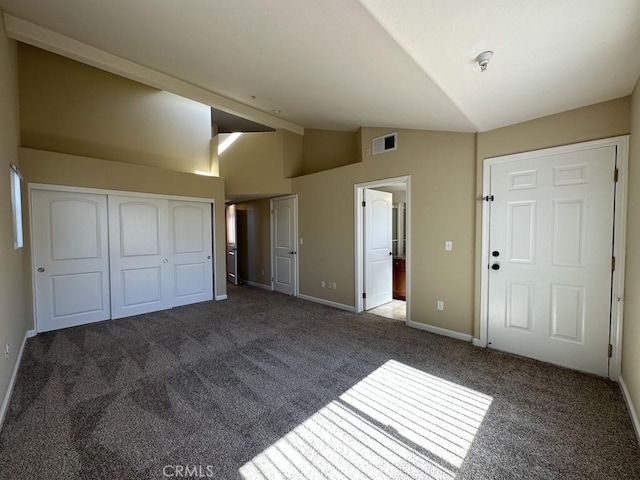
[383, 247]
[232, 244]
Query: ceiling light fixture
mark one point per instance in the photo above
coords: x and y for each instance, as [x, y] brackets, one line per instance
[483, 60]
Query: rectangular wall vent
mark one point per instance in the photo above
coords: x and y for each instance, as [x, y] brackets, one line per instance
[385, 143]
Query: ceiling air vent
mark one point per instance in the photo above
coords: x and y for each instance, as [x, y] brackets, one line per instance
[385, 143]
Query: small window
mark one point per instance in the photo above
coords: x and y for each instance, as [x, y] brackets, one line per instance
[16, 204]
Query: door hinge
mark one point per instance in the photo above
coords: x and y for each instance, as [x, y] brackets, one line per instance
[364, 204]
[364, 295]
[488, 198]
[613, 263]
[610, 351]
[615, 175]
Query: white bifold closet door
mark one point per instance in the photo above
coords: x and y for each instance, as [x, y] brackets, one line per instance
[190, 224]
[160, 254]
[101, 256]
[140, 250]
[71, 258]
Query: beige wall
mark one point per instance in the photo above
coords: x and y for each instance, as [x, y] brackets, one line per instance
[61, 169]
[326, 149]
[69, 107]
[292, 154]
[442, 172]
[262, 164]
[13, 312]
[253, 166]
[254, 244]
[602, 120]
[631, 323]
[446, 176]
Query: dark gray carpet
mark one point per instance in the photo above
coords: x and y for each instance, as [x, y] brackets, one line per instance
[267, 386]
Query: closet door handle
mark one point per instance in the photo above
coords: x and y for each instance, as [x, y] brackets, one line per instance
[165, 261]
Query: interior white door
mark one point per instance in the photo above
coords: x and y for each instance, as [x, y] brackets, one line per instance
[71, 258]
[284, 218]
[140, 252]
[232, 244]
[551, 237]
[378, 248]
[192, 252]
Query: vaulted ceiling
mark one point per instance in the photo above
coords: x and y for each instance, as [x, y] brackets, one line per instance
[342, 64]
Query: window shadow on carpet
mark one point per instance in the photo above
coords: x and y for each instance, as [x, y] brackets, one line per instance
[396, 423]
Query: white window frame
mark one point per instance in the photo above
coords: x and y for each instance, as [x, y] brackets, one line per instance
[16, 207]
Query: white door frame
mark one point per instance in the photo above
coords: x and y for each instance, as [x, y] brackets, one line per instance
[232, 206]
[617, 304]
[359, 189]
[295, 234]
[100, 191]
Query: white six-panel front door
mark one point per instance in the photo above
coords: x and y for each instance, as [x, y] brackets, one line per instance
[71, 258]
[551, 236]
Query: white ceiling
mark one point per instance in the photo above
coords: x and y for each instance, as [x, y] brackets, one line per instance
[342, 64]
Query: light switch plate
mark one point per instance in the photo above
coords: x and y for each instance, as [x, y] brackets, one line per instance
[448, 245]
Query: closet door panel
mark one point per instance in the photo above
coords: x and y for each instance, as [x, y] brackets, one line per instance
[192, 252]
[140, 252]
[71, 258]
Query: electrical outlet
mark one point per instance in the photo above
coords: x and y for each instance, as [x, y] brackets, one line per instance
[323, 283]
[440, 305]
[335, 285]
[448, 245]
[6, 350]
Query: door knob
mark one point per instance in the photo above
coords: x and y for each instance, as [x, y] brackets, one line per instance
[41, 269]
[165, 261]
[495, 253]
[495, 266]
[208, 257]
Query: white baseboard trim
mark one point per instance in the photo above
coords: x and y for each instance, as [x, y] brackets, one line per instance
[31, 333]
[476, 342]
[440, 331]
[257, 285]
[632, 411]
[14, 375]
[221, 297]
[329, 303]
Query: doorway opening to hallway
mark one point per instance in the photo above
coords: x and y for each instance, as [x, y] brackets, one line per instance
[382, 247]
